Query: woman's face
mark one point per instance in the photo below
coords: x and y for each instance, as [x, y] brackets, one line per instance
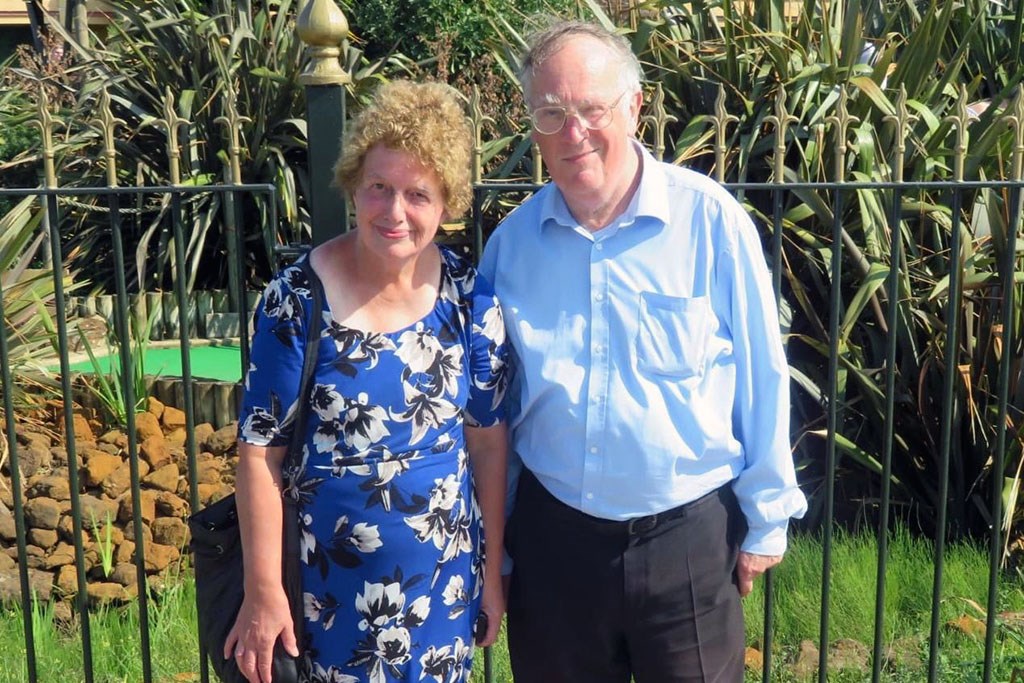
[399, 203]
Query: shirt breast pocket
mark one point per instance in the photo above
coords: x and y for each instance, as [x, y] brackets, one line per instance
[673, 335]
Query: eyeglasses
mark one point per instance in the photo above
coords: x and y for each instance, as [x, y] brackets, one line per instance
[549, 120]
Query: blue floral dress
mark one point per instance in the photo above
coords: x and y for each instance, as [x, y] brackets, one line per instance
[392, 546]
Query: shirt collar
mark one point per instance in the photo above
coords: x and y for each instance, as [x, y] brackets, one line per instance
[649, 200]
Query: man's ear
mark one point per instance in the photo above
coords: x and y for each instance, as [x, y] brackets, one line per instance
[636, 102]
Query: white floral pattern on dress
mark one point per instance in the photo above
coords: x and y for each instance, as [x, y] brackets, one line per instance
[390, 535]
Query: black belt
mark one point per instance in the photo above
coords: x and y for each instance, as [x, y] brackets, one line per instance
[530, 489]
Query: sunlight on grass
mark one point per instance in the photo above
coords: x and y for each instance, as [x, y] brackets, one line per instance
[117, 647]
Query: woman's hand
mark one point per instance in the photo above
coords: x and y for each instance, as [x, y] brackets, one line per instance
[262, 619]
[493, 605]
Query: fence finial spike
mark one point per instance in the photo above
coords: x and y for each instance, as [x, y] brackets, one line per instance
[322, 26]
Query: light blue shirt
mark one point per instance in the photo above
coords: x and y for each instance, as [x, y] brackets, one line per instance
[649, 367]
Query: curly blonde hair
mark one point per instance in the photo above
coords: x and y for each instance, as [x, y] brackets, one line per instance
[424, 119]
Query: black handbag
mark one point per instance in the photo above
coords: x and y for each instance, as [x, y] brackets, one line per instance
[216, 544]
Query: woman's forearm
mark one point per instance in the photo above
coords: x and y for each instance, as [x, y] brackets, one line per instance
[258, 487]
[488, 455]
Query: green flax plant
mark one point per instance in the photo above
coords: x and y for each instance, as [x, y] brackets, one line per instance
[28, 298]
[201, 58]
[878, 60]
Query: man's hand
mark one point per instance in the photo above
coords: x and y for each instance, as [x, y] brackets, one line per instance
[750, 566]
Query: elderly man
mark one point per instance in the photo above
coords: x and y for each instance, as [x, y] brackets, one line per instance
[650, 400]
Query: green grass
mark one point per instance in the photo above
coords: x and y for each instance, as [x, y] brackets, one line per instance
[117, 647]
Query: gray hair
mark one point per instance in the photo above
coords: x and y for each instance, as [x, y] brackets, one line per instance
[546, 42]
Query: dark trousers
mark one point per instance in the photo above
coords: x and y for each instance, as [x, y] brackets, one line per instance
[597, 601]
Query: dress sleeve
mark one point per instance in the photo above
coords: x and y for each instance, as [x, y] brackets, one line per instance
[275, 360]
[488, 358]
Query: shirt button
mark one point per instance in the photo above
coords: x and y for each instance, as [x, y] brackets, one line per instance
[598, 349]
[599, 246]
[599, 297]
[593, 449]
[590, 496]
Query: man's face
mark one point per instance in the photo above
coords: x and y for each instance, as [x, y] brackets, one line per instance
[590, 167]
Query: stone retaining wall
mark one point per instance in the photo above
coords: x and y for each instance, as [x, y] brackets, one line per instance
[104, 475]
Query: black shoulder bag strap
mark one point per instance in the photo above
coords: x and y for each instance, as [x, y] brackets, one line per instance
[291, 571]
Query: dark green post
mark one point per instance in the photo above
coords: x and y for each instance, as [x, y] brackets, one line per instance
[322, 27]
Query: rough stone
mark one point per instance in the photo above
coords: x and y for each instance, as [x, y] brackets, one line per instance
[60, 456]
[171, 505]
[8, 527]
[66, 582]
[125, 552]
[106, 592]
[63, 554]
[223, 440]
[203, 432]
[7, 562]
[806, 663]
[155, 451]
[83, 431]
[130, 535]
[66, 528]
[26, 437]
[967, 625]
[124, 574]
[53, 486]
[847, 654]
[40, 583]
[159, 557]
[176, 438]
[119, 481]
[44, 538]
[208, 471]
[156, 407]
[173, 418]
[99, 466]
[115, 437]
[62, 613]
[96, 511]
[211, 493]
[164, 478]
[753, 660]
[42, 513]
[147, 506]
[147, 425]
[32, 457]
[170, 531]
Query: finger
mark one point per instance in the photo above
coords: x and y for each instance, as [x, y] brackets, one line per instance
[230, 642]
[246, 660]
[746, 587]
[288, 641]
[264, 664]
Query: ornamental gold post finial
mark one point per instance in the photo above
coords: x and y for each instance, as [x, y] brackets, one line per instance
[901, 120]
[106, 123]
[720, 121]
[45, 123]
[1016, 119]
[659, 118]
[781, 119]
[960, 120]
[841, 121]
[476, 121]
[171, 122]
[322, 26]
[233, 122]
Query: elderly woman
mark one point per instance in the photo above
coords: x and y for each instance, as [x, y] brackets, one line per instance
[405, 433]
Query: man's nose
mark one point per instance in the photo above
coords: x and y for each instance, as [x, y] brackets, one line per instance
[575, 127]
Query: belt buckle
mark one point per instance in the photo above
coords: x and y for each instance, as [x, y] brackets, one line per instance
[642, 525]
